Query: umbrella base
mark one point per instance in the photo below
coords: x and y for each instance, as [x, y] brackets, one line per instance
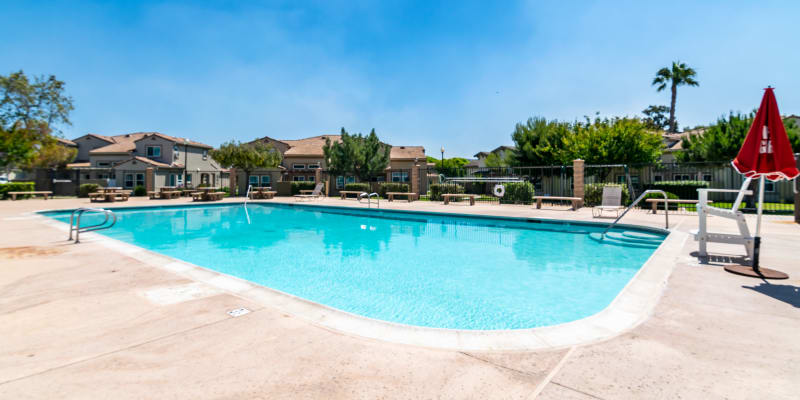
[763, 273]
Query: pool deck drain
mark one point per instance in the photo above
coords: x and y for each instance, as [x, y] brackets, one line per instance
[75, 324]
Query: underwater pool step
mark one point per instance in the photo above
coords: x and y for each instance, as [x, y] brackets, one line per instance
[634, 238]
[622, 241]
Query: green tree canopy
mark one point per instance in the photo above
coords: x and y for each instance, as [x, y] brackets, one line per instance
[362, 156]
[247, 156]
[722, 140]
[678, 75]
[29, 113]
[656, 117]
[598, 141]
[455, 162]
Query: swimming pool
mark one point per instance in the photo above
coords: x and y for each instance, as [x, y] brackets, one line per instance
[422, 269]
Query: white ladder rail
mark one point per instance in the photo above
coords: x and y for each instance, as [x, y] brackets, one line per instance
[75, 225]
[703, 236]
[638, 199]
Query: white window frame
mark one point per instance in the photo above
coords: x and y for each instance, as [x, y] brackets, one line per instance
[310, 178]
[298, 166]
[266, 180]
[350, 179]
[340, 182]
[298, 178]
[205, 154]
[139, 178]
[313, 166]
[147, 151]
[400, 177]
[252, 179]
[103, 164]
[128, 183]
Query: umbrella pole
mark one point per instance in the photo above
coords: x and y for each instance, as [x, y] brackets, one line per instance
[757, 242]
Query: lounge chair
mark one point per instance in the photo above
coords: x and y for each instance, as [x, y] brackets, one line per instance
[316, 193]
[612, 201]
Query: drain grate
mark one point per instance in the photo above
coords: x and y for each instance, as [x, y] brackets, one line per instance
[238, 312]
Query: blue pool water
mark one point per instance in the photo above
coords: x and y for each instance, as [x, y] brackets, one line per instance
[429, 270]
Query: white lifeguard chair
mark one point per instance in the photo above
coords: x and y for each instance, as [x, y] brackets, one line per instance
[703, 236]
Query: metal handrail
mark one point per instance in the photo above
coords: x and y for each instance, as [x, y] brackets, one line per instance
[247, 195]
[77, 228]
[369, 199]
[638, 199]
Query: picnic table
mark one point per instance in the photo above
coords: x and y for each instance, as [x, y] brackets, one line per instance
[207, 194]
[110, 194]
[44, 193]
[409, 195]
[262, 192]
[576, 201]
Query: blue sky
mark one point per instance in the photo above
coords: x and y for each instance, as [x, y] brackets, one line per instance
[458, 74]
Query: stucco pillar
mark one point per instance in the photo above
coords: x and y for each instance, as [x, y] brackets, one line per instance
[149, 179]
[415, 179]
[577, 179]
[318, 179]
[232, 181]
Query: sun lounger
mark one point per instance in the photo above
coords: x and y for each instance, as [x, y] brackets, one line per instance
[612, 201]
[316, 193]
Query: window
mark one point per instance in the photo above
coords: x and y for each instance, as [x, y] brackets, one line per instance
[266, 180]
[622, 180]
[103, 164]
[707, 177]
[139, 179]
[682, 177]
[298, 166]
[205, 154]
[310, 178]
[204, 180]
[253, 180]
[153, 151]
[299, 178]
[769, 186]
[313, 166]
[173, 180]
[188, 179]
[87, 176]
[399, 176]
[128, 180]
[350, 179]
[658, 178]
[339, 182]
[102, 176]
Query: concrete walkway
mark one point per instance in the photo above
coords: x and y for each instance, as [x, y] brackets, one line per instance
[81, 321]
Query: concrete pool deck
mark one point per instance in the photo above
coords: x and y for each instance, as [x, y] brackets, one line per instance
[83, 321]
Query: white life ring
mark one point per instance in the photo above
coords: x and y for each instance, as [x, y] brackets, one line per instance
[499, 190]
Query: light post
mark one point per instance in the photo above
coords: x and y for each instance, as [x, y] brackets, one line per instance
[442, 163]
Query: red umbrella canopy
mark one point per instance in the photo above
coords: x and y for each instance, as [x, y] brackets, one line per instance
[766, 149]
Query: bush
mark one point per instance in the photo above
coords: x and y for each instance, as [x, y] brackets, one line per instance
[225, 189]
[392, 187]
[438, 189]
[298, 186]
[86, 188]
[683, 189]
[15, 187]
[139, 191]
[361, 187]
[518, 193]
[593, 194]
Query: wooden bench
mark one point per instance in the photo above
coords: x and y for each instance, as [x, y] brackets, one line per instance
[97, 196]
[169, 194]
[44, 193]
[409, 195]
[197, 196]
[344, 193]
[576, 201]
[448, 196]
[214, 196]
[270, 194]
[655, 202]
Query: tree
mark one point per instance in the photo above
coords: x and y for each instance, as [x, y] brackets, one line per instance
[539, 142]
[51, 154]
[612, 141]
[656, 117]
[247, 156]
[680, 74]
[454, 163]
[362, 156]
[29, 113]
[721, 141]
[494, 160]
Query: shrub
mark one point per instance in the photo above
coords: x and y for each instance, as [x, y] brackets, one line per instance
[438, 189]
[86, 188]
[361, 187]
[298, 186]
[593, 194]
[225, 189]
[15, 187]
[392, 187]
[683, 189]
[139, 191]
[518, 193]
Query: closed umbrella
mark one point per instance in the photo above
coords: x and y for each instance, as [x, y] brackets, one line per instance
[765, 154]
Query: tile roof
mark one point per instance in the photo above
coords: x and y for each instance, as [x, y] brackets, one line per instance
[66, 142]
[312, 147]
[407, 153]
[146, 161]
[127, 143]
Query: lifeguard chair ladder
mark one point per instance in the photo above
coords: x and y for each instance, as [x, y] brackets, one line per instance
[703, 236]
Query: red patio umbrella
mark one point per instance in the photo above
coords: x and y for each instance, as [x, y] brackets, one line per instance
[765, 153]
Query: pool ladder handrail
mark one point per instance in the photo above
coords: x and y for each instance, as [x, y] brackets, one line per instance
[75, 224]
[369, 198]
[635, 202]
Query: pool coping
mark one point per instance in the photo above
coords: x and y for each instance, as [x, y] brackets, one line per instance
[632, 305]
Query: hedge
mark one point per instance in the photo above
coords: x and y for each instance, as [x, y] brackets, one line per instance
[518, 193]
[392, 187]
[593, 194]
[139, 191]
[361, 187]
[15, 187]
[683, 189]
[86, 188]
[438, 189]
[298, 186]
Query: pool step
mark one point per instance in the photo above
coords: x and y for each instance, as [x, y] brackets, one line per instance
[616, 239]
[633, 237]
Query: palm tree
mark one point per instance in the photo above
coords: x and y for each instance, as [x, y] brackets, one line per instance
[679, 74]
